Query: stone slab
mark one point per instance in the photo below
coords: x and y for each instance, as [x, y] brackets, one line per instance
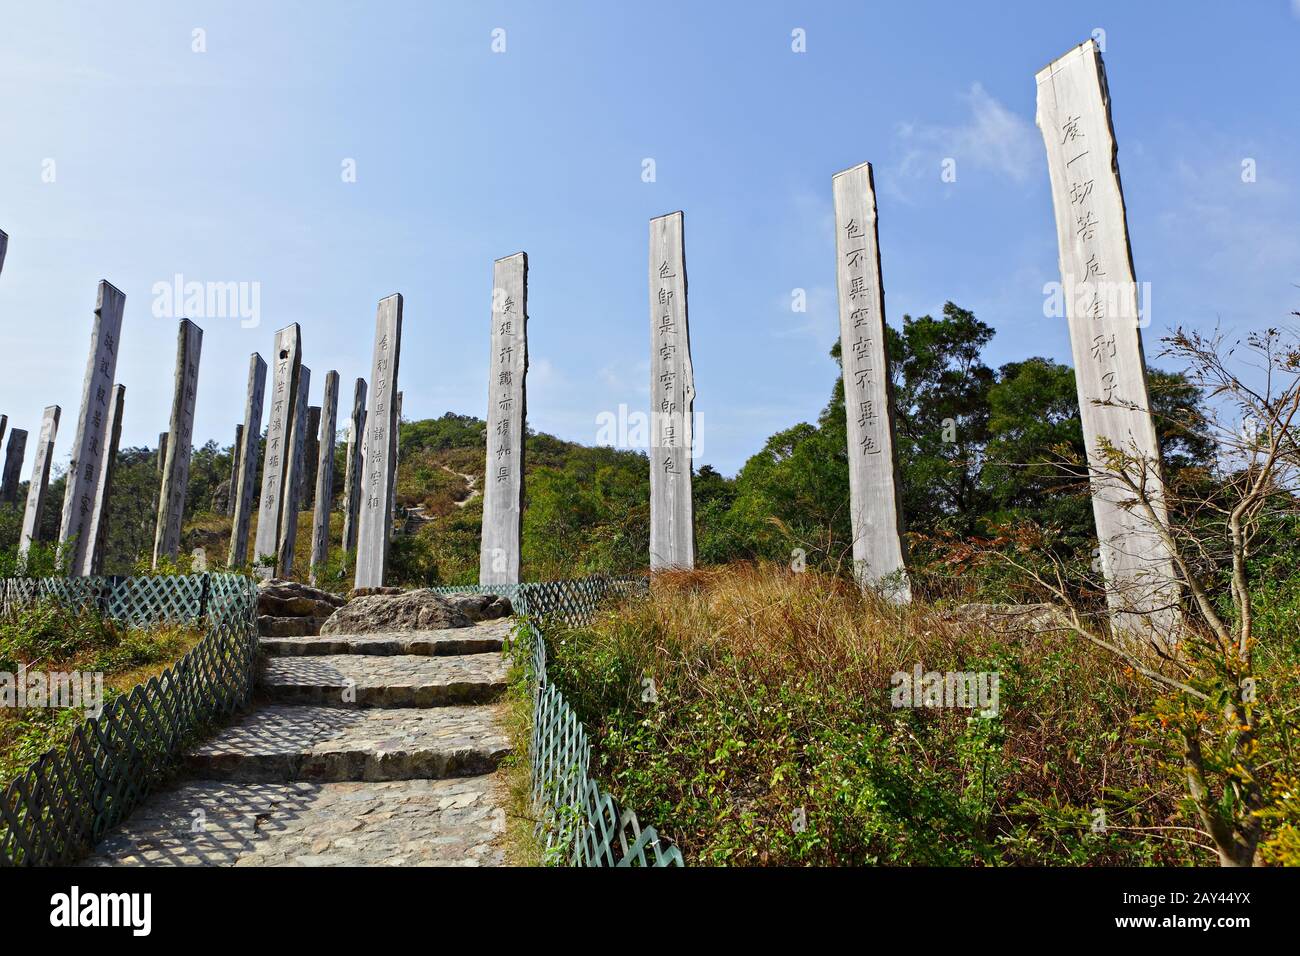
[367, 680]
[455, 822]
[269, 625]
[484, 638]
[331, 744]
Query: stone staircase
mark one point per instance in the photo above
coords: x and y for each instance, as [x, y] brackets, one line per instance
[361, 750]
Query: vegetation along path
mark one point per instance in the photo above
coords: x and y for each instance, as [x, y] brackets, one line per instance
[364, 750]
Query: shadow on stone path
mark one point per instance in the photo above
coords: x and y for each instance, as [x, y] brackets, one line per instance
[362, 750]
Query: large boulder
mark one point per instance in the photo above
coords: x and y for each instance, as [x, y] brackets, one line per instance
[279, 598]
[481, 607]
[421, 610]
[287, 608]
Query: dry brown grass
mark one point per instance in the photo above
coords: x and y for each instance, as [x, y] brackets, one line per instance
[774, 694]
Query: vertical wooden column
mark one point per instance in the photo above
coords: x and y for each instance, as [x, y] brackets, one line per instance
[320, 535]
[88, 457]
[287, 361]
[40, 481]
[503, 484]
[672, 400]
[875, 502]
[245, 488]
[380, 475]
[1100, 293]
[180, 436]
[352, 476]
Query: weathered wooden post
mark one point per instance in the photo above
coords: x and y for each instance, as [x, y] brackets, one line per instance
[379, 475]
[295, 478]
[672, 400]
[503, 485]
[14, 454]
[284, 395]
[352, 475]
[311, 453]
[236, 453]
[85, 470]
[180, 434]
[245, 488]
[99, 515]
[1100, 294]
[320, 532]
[875, 507]
[162, 452]
[4, 424]
[40, 481]
[396, 459]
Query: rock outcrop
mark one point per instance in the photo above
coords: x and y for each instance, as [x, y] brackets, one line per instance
[420, 610]
[1006, 618]
[290, 609]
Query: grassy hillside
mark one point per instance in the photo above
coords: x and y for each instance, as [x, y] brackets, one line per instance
[748, 713]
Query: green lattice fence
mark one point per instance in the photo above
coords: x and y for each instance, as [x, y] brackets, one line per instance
[59, 808]
[578, 821]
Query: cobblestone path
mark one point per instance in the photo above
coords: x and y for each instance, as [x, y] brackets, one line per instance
[375, 749]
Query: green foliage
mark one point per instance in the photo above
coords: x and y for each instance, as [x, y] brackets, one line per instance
[978, 450]
[47, 631]
[772, 705]
[47, 636]
[941, 407]
[441, 434]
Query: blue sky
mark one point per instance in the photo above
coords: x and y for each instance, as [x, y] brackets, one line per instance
[226, 165]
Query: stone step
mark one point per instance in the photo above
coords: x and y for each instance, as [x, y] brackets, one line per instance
[278, 744]
[366, 680]
[454, 822]
[288, 626]
[480, 639]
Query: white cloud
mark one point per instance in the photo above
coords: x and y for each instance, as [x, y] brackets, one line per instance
[993, 138]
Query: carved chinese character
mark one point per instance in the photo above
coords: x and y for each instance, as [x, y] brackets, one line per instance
[1085, 225]
[1103, 346]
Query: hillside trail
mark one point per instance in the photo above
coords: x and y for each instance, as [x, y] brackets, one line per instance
[471, 482]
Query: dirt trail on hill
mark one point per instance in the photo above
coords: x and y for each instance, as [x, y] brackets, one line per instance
[471, 482]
